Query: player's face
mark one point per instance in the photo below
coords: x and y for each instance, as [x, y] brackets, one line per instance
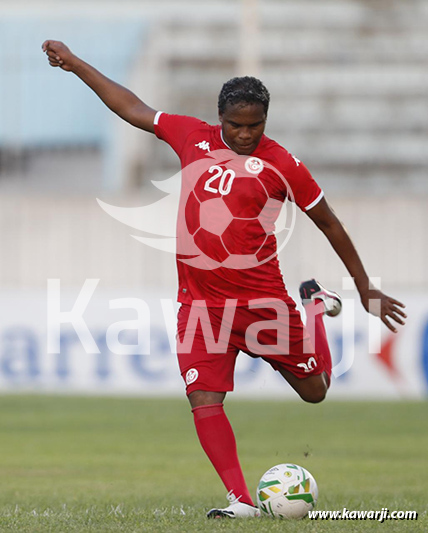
[243, 126]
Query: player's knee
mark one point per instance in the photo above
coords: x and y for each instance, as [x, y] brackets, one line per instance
[316, 397]
[316, 393]
[198, 398]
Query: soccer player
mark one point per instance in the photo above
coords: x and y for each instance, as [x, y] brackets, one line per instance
[246, 309]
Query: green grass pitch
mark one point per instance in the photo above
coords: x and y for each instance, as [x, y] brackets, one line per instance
[100, 464]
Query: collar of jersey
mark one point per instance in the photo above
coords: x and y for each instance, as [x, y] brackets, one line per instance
[222, 138]
[225, 143]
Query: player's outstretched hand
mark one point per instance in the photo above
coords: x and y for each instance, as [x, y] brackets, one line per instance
[59, 55]
[385, 307]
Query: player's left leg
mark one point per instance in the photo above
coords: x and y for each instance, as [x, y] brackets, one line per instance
[302, 354]
[319, 301]
[312, 389]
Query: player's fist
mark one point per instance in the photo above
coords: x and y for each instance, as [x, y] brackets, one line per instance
[59, 55]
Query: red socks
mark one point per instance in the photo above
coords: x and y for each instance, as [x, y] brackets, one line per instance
[316, 329]
[215, 432]
[218, 441]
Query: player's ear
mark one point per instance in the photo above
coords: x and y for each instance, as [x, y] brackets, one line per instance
[220, 117]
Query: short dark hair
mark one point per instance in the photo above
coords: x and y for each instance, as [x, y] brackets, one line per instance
[246, 89]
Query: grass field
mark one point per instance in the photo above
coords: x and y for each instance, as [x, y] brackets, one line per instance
[95, 464]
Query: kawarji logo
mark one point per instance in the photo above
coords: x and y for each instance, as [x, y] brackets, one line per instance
[216, 201]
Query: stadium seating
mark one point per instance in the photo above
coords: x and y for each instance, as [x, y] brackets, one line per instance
[348, 82]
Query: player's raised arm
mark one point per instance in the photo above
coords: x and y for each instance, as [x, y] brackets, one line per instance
[387, 308]
[119, 99]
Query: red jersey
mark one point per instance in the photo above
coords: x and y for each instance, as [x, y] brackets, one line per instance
[226, 246]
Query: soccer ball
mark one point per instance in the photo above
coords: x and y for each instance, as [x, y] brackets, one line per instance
[218, 225]
[287, 491]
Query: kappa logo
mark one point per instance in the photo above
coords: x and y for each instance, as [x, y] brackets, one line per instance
[310, 365]
[191, 376]
[254, 165]
[296, 160]
[203, 145]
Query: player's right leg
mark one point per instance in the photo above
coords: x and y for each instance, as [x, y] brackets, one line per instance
[208, 376]
[218, 441]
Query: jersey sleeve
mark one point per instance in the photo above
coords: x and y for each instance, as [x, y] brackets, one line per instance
[307, 193]
[174, 129]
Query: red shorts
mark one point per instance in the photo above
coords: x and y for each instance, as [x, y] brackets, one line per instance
[209, 340]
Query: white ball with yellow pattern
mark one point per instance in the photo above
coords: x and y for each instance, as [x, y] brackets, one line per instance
[287, 491]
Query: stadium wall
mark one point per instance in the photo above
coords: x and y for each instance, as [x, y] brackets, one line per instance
[72, 238]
